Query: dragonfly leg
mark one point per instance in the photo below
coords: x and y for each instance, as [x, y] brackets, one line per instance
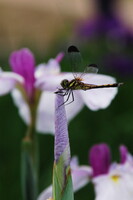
[68, 93]
[62, 92]
[71, 92]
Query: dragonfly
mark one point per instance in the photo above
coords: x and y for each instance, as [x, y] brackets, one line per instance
[77, 83]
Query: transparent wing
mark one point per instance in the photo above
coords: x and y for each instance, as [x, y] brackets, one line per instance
[76, 61]
[77, 65]
[92, 68]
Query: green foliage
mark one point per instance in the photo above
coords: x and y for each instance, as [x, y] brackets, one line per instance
[28, 171]
[62, 182]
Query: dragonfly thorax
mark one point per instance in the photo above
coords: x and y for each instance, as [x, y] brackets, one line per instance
[65, 83]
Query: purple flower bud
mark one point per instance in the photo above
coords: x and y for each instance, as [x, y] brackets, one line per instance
[100, 158]
[23, 63]
[123, 154]
[61, 132]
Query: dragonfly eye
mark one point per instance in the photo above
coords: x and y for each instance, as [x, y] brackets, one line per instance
[65, 83]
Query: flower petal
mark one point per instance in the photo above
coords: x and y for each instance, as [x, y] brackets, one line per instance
[97, 99]
[123, 154]
[22, 106]
[50, 82]
[8, 81]
[59, 57]
[75, 107]
[47, 193]
[100, 159]
[81, 176]
[23, 63]
[50, 68]
[45, 113]
[117, 185]
[74, 162]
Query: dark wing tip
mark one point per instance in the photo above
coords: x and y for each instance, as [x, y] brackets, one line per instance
[92, 65]
[72, 48]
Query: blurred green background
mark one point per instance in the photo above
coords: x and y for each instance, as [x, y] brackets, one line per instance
[47, 28]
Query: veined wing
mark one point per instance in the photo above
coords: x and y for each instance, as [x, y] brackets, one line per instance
[91, 68]
[77, 63]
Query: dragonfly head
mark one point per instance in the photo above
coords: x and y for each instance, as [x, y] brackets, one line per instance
[65, 83]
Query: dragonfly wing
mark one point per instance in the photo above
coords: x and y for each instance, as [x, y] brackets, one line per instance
[92, 68]
[75, 60]
[77, 65]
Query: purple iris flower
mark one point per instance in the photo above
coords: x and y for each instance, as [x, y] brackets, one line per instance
[100, 159]
[112, 181]
[22, 62]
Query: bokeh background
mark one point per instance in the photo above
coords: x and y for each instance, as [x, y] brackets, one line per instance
[103, 30]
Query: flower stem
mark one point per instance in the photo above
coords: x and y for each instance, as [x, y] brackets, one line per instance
[29, 162]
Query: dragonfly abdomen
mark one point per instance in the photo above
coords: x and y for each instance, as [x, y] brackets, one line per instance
[91, 86]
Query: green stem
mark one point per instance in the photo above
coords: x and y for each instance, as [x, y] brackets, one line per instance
[29, 164]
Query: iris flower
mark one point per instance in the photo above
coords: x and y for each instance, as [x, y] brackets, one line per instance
[111, 180]
[35, 86]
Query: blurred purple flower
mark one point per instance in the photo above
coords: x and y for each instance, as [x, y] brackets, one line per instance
[121, 63]
[100, 159]
[123, 154]
[109, 27]
[22, 85]
[118, 38]
[105, 23]
[112, 181]
[22, 62]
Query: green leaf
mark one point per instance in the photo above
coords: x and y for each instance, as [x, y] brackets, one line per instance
[68, 191]
[28, 171]
[62, 182]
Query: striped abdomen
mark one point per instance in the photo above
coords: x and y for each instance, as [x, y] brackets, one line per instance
[78, 85]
